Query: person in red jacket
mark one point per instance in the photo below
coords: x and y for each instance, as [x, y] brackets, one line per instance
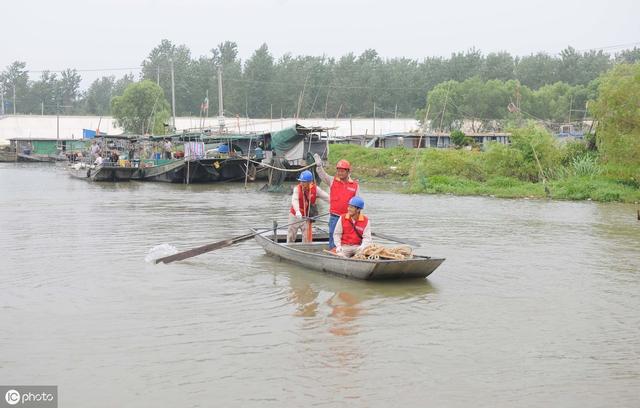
[303, 197]
[353, 230]
[341, 189]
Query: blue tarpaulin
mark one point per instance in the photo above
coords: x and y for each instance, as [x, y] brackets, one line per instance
[88, 134]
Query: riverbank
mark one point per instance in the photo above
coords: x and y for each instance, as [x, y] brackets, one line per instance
[464, 172]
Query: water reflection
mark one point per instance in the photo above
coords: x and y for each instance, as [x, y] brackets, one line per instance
[344, 311]
[305, 299]
[336, 303]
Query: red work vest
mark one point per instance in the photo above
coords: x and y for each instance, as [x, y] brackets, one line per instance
[340, 194]
[349, 228]
[303, 203]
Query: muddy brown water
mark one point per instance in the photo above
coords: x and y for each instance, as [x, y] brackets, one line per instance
[537, 304]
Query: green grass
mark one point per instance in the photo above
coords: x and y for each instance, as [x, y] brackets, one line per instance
[462, 172]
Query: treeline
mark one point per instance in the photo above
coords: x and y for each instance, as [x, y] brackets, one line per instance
[321, 86]
[495, 104]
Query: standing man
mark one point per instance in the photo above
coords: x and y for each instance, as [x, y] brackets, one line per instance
[353, 231]
[168, 146]
[303, 197]
[95, 150]
[342, 189]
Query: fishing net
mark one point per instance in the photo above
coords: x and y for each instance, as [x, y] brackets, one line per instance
[276, 177]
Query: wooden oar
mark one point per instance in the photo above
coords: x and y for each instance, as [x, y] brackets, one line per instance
[392, 238]
[398, 240]
[217, 245]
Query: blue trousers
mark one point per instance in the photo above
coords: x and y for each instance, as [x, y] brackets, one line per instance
[333, 220]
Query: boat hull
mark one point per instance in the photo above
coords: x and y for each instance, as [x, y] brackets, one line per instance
[32, 158]
[102, 173]
[172, 172]
[313, 257]
[6, 156]
[213, 170]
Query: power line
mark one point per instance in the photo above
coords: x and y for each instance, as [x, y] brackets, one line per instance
[39, 71]
[610, 47]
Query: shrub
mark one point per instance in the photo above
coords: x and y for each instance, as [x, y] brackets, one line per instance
[572, 149]
[535, 141]
[458, 138]
[586, 166]
[502, 160]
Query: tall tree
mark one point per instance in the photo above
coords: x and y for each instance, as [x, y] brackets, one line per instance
[498, 66]
[121, 84]
[465, 65]
[14, 81]
[226, 57]
[98, 97]
[537, 70]
[159, 60]
[141, 109]
[616, 110]
[258, 72]
[629, 56]
[45, 95]
[69, 87]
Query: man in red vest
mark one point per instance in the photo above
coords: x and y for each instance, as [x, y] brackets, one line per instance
[342, 189]
[353, 230]
[303, 197]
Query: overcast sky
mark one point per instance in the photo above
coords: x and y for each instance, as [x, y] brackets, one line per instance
[104, 35]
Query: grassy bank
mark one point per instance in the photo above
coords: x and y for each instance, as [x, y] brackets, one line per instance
[572, 173]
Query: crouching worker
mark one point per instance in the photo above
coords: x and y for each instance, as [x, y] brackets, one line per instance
[303, 205]
[353, 230]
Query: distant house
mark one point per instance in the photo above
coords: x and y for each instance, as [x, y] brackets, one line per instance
[569, 131]
[432, 140]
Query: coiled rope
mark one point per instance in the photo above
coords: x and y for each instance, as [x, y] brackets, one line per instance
[374, 252]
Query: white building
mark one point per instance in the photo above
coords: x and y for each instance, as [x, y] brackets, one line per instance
[70, 127]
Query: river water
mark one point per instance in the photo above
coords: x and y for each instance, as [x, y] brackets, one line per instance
[537, 304]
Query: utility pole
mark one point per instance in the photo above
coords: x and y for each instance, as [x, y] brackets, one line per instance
[173, 96]
[2, 101]
[395, 116]
[58, 106]
[158, 75]
[350, 126]
[326, 104]
[374, 119]
[14, 98]
[220, 101]
[446, 98]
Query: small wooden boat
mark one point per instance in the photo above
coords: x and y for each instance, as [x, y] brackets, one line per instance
[313, 256]
[35, 158]
[103, 172]
[7, 156]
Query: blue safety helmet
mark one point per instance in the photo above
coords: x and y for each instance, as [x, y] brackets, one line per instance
[356, 202]
[306, 176]
[223, 149]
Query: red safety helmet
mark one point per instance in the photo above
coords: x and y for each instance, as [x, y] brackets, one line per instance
[343, 164]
